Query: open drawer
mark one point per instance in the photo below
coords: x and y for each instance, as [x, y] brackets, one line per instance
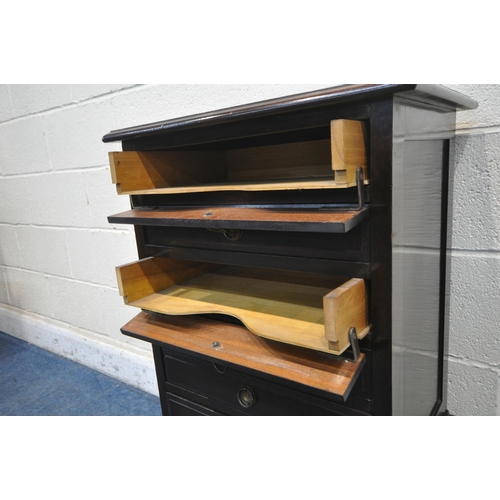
[236, 346]
[315, 164]
[302, 309]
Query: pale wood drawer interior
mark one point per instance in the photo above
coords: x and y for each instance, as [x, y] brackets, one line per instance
[302, 309]
[318, 164]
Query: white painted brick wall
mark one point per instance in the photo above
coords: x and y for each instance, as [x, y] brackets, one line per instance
[26, 156]
[474, 361]
[44, 249]
[9, 249]
[102, 199]
[71, 142]
[28, 290]
[82, 92]
[104, 249]
[4, 298]
[474, 305]
[93, 307]
[486, 114]
[476, 213]
[30, 99]
[58, 199]
[15, 202]
[152, 103]
[6, 111]
[58, 252]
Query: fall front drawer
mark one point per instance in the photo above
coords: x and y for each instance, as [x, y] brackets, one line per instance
[328, 163]
[233, 345]
[304, 309]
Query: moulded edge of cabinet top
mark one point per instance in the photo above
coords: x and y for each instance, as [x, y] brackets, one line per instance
[345, 93]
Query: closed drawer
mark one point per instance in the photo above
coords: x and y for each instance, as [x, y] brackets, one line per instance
[353, 246]
[218, 386]
[180, 407]
[302, 309]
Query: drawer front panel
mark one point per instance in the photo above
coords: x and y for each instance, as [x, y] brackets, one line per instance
[180, 407]
[240, 391]
[351, 247]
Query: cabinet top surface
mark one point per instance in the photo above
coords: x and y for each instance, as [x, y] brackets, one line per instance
[342, 94]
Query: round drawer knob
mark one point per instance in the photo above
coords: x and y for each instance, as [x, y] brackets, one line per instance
[246, 397]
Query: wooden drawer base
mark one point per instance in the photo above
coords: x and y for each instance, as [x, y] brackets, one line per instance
[235, 345]
[303, 309]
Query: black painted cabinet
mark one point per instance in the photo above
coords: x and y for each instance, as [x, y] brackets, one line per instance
[293, 252]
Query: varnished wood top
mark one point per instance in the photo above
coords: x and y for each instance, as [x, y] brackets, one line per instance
[298, 102]
[236, 345]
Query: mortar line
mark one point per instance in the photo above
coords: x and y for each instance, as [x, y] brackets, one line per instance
[474, 363]
[488, 129]
[103, 166]
[490, 253]
[73, 104]
[109, 229]
[66, 278]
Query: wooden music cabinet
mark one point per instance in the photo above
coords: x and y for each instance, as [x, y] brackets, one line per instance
[293, 252]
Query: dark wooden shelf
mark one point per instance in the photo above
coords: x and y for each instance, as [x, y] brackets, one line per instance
[258, 218]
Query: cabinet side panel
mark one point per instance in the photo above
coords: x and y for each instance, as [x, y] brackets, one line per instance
[420, 174]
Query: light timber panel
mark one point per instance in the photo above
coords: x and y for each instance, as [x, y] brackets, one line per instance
[283, 306]
[322, 164]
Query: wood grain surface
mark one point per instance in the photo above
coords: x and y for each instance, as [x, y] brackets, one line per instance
[275, 218]
[235, 344]
[283, 306]
[349, 142]
[322, 164]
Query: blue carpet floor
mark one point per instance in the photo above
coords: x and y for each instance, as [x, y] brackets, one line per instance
[39, 383]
